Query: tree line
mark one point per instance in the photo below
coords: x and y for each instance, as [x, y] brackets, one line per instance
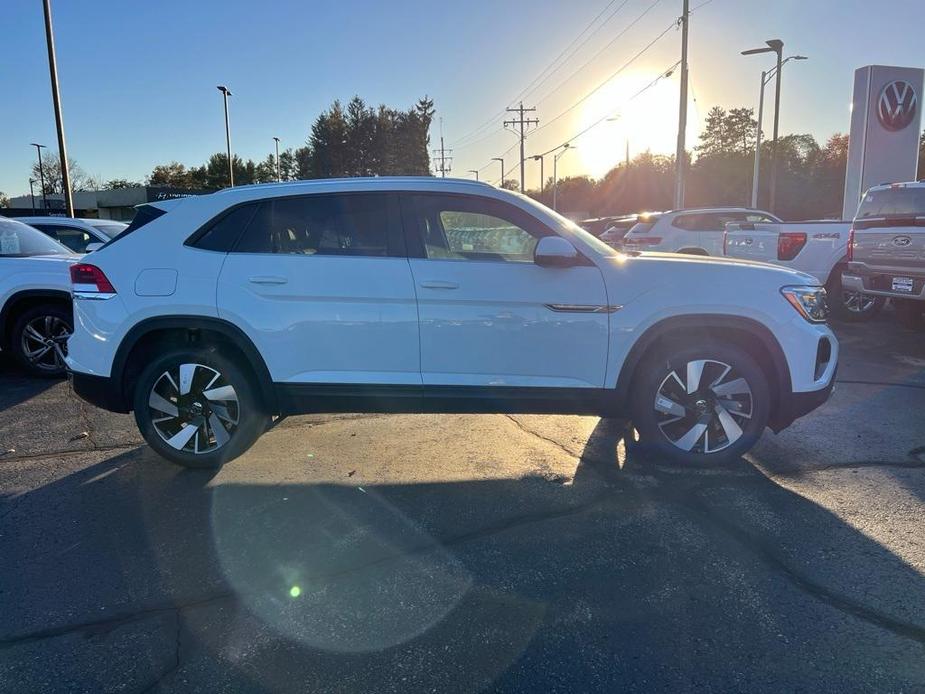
[344, 141]
[810, 176]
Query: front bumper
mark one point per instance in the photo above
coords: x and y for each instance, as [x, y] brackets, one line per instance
[800, 404]
[99, 391]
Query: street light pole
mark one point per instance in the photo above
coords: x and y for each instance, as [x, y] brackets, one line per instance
[765, 78]
[555, 175]
[773, 46]
[501, 182]
[39, 148]
[226, 93]
[476, 172]
[542, 160]
[278, 174]
[32, 193]
[59, 119]
[758, 141]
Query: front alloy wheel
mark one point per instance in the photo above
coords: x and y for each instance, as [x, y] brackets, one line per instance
[707, 403]
[193, 408]
[44, 343]
[702, 407]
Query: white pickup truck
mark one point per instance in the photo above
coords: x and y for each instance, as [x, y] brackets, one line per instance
[818, 248]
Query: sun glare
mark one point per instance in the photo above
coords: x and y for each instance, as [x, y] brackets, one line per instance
[648, 121]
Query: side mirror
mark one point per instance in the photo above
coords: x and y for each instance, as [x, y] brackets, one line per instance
[555, 251]
[93, 247]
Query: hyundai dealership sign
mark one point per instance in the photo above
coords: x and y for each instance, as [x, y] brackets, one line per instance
[886, 119]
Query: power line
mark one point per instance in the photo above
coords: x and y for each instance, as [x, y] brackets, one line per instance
[614, 74]
[600, 52]
[549, 70]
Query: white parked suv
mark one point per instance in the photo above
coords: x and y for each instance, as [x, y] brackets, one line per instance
[35, 298]
[696, 231]
[223, 311]
[80, 235]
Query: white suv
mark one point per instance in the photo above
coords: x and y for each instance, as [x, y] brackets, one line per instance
[697, 231]
[213, 314]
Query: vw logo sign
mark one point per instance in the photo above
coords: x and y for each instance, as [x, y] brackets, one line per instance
[902, 241]
[896, 106]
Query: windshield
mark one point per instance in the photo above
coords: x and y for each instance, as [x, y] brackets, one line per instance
[890, 202]
[111, 229]
[18, 240]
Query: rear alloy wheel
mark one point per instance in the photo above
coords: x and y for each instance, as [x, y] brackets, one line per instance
[703, 405]
[851, 306]
[197, 409]
[39, 340]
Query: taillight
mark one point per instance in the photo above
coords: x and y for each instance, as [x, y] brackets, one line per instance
[789, 243]
[851, 243]
[89, 278]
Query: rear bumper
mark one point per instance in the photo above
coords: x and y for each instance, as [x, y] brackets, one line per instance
[861, 278]
[99, 391]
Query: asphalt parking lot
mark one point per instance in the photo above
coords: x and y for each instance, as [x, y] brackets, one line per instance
[464, 553]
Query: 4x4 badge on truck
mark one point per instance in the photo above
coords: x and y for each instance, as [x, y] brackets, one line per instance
[901, 241]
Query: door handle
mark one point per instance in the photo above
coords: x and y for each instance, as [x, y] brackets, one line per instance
[267, 279]
[439, 284]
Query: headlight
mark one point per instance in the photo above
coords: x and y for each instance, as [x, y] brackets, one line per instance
[808, 301]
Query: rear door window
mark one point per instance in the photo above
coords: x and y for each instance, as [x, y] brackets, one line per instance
[355, 224]
[73, 237]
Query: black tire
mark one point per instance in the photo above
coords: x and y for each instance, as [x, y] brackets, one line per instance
[244, 414]
[910, 313]
[50, 324]
[850, 307]
[657, 428]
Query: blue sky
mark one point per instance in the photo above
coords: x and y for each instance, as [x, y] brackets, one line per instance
[138, 78]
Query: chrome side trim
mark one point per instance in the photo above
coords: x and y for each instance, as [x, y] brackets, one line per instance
[93, 296]
[584, 308]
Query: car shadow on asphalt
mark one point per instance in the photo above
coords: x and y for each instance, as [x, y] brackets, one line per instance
[17, 386]
[630, 575]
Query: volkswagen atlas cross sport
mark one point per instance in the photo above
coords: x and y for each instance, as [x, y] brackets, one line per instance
[213, 315]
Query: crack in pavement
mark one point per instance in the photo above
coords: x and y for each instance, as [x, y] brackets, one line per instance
[886, 384]
[760, 548]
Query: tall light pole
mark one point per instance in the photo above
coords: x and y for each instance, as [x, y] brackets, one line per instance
[541, 159]
[681, 152]
[226, 93]
[555, 174]
[501, 182]
[774, 46]
[39, 148]
[59, 119]
[476, 172]
[765, 78]
[278, 174]
[32, 193]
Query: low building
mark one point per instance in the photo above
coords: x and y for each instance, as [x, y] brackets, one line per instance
[118, 204]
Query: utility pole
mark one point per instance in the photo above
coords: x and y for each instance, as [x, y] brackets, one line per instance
[445, 164]
[59, 119]
[278, 174]
[681, 153]
[39, 148]
[522, 123]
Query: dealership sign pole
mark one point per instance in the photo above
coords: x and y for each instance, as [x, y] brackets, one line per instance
[886, 119]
